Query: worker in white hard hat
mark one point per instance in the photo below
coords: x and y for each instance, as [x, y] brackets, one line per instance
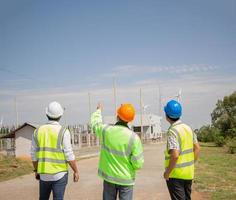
[51, 153]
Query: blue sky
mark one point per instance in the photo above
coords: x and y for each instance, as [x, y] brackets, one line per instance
[60, 50]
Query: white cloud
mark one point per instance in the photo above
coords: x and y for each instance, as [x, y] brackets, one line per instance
[131, 70]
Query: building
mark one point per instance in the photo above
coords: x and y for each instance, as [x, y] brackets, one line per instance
[150, 126]
[22, 140]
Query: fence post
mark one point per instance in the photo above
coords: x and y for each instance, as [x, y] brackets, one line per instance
[79, 140]
[88, 137]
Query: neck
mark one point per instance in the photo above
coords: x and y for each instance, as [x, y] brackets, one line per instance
[170, 121]
[122, 123]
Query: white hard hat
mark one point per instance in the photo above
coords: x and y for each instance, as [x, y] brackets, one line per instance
[54, 110]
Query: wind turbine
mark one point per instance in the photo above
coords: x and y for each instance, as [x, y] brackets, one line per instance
[145, 107]
[178, 96]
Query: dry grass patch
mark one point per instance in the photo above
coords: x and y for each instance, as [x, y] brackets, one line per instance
[10, 167]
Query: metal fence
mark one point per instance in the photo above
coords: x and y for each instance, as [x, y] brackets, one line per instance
[7, 146]
[80, 140]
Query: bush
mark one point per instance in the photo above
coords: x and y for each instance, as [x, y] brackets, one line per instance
[208, 134]
[231, 144]
[219, 140]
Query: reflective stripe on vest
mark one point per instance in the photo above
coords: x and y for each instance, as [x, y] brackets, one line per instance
[51, 158]
[135, 158]
[185, 164]
[116, 152]
[115, 179]
[181, 153]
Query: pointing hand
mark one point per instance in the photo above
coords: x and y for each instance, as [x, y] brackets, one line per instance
[100, 106]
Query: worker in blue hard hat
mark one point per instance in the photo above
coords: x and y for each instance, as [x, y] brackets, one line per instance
[181, 152]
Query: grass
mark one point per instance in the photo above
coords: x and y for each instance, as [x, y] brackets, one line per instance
[11, 167]
[216, 173]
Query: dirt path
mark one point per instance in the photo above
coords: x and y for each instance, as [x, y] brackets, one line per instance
[149, 183]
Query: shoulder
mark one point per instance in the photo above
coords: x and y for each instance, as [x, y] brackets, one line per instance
[187, 127]
[172, 132]
[41, 127]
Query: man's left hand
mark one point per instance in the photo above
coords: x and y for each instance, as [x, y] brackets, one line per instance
[37, 176]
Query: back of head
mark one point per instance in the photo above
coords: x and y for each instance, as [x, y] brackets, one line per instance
[54, 110]
[126, 112]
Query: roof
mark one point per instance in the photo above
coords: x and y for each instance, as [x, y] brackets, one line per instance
[147, 120]
[12, 133]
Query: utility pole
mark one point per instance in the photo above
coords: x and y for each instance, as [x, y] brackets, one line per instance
[16, 112]
[114, 92]
[159, 109]
[64, 115]
[141, 111]
[89, 98]
[1, 122]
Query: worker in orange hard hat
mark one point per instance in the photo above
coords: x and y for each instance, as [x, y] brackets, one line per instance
[121, 153]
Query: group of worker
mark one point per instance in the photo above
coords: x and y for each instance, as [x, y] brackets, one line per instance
[121, 154]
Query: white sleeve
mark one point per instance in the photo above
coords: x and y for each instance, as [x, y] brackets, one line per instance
[33, 149]
[67, 146]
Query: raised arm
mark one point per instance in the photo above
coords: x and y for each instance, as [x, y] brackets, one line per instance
[96, 121]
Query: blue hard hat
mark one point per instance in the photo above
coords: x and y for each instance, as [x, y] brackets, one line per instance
[173, 109]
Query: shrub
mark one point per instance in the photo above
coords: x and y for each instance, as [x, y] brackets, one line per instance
[219, 140]
[208, 134]
[231, 144]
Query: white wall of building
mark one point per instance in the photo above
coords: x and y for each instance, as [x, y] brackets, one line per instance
[23, 141]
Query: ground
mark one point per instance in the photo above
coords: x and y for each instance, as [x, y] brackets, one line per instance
[216, 172]
[149, 182]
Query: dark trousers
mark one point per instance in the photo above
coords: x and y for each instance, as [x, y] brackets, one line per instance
[179, 189]
[57, 188]
[111, 190]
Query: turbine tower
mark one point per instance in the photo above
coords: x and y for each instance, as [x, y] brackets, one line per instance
[178, 96]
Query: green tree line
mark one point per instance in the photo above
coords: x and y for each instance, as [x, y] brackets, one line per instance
[223, 124]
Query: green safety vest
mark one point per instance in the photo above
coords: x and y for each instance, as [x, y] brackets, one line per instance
[121, 152]
[184, 168]
[50, 154]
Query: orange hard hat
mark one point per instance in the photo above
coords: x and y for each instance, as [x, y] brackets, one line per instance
[126, 112]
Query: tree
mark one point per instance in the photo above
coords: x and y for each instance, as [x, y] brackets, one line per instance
[224, 116]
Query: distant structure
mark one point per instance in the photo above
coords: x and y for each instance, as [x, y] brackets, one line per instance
[19, 140]
[151, 125]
